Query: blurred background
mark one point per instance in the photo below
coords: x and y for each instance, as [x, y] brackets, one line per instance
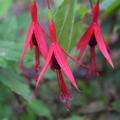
[99, 98]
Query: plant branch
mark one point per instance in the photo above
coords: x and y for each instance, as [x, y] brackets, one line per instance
[91, 4]
[33, 1]
[98, 2]
[48, 4]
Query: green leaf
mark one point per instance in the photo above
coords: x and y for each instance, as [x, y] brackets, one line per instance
[116, 105]
[10, 50]
[58, 2]
[116, 76]
[64, 19]
[112, 8]
[105, 4]
[40, 108]
[84, 87]
[74, 117]
[4, 6]
[30, 115]
[82, 10]
[8, 29]
[3, 63]
[14, 82]
[5, 112]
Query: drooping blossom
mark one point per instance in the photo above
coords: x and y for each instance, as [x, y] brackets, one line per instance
[35, 38]
[59, 63]
[92, 37]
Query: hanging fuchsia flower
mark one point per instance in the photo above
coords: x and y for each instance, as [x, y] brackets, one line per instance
[59, 62]
[92, 37]
[35, 38]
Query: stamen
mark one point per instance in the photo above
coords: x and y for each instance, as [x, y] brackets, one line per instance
[93, 67]
[92, 41]
[34, 40]
[55, 63]
[37, 59]
[64, 91]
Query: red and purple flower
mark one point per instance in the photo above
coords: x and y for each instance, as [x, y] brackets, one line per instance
[92, 37]
[57, 60]
[35, 38]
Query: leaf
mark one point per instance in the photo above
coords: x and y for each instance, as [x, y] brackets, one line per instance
[105, 4]
[11, 50]
[14, 82]
[92, 108]
[82, 10]
[58, 2]
[116, 105]
[74, 117]
[4, 6]
[8, 29]
[116, 76]
[3, 63]
[64, 19]
[40, 108]
[112, 8]
[5, 112]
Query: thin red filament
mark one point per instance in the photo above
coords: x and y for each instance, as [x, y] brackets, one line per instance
[64, 91]
[37, 59]
[93, 67]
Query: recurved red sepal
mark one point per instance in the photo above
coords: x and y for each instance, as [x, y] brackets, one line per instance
[41, 41]
[47, 63]
[65, 65]
[101, 44]
[27, 42]
[65, 95]
[82, 44]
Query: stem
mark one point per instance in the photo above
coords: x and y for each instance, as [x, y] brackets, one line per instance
[48, 4]
[33, 1]
[91, 4]
[98, 2]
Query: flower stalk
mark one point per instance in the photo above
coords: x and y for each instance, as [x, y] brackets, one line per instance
[33, 1]
[48, 4]
[91, 4]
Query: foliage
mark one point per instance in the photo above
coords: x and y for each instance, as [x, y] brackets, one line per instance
[17, 88]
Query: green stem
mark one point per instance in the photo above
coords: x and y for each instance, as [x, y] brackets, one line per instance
[91, 4]
[98, 2]
[48, 4]
[33, 1]
[50, 15]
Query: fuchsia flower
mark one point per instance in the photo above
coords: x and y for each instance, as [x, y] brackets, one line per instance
[92, 37]
[59, 62]
[35, 38]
